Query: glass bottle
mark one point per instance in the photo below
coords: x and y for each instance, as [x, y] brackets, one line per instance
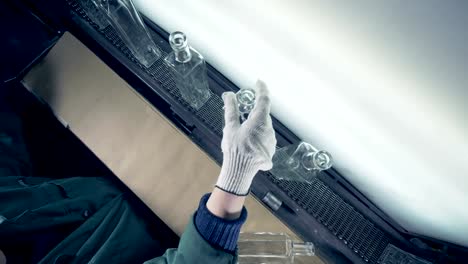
[300, 162]
[246, 100]
[125, 19]
[264, 247]
[95, 13]
[189, 71]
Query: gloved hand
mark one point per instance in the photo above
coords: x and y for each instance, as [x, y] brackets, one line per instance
[247, 147]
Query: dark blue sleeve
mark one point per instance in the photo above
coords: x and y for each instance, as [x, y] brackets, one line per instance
[217, 231]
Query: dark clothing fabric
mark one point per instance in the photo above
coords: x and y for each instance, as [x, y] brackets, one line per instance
[88, 220]
[220, 233]
[71, 220]
[14, 158]
[193, 248]
[80, 219]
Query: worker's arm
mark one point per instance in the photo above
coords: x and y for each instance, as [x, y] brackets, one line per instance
[225, 205]
[211, 235]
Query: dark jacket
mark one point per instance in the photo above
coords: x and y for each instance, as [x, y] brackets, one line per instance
[88, 220]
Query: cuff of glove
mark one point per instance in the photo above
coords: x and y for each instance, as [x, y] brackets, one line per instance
[217, 231]
[237, 173]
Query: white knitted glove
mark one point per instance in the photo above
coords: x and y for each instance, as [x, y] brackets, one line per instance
[247, 147]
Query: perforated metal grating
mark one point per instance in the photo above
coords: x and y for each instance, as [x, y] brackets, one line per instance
[211, 113]
[339, 217]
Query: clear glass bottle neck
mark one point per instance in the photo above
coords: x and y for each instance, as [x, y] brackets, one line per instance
[310, 159]
[179, 45]
[246, 102]
[183, 56]
[303, 249]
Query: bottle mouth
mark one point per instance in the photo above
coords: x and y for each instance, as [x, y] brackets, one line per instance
[246, 101]
[319, 160]
[178, 40]
[322, 160]
[246, 96]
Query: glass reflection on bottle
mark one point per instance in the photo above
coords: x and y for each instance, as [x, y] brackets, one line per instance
[95, 13]
[126, 20]
[246, 101]
[300, 162]
[188, 70]
[264, 247]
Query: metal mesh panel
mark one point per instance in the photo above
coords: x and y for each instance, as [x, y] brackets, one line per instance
[340, 218]
[76, 7]
[210, 113]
